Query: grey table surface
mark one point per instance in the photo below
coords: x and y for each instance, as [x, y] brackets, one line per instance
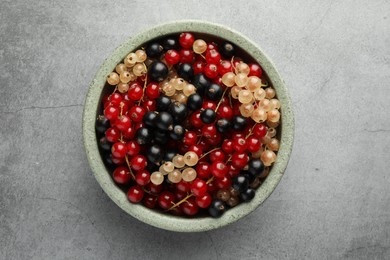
[332, 203]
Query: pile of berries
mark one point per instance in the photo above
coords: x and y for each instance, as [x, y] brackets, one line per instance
[188, 127]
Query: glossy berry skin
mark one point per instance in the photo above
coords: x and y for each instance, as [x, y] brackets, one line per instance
[138, 162]
[149, 201]
[121, 175]
[201, 83]
[239, 144]
[135, 91]
[203, 170]
[178, 111]
[163, 103]
[129, 133]
[123, 123]
[119, 150]
[240, 183]
[172, 57]
[186, 56]
[217, 208]
[183, 186]
[186, 40]
[219, 169]
[223, 183]
[166, 200]
[155, 189]
[149, 118]
[240, 160]
[111, 112]
[213, 57]
[209, 104]
[260, 130]
[214, 92]
[225, 111]
[102, 124]
[170, 44]
[239, 123]
[198, 67]
[133, 148]
[255, 70]
[185, 71]
[195, 120]
[189, 207]
[136, 113]
[115, 99]
[169, 154]
[203, 201]
[177, 133]
[154, 50]
[158, 71]
[104, 144]
[227, 49]
[198, 187]
[255, 167]
[149, 104]
[247, 195]
[196, 148]
[211, 70]
[227, 146]
[190, 138]
[209, 131]
[253, 144]
[223, 125]
[135, 194]
[143, 136]
[142, 177]
[164, 121]
[152, 90]
[154, 153]
[217, 155]
[113, 134]
[208, 116]
[224, 67]
[194, 102]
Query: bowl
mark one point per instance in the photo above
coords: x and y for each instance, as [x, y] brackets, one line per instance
[155, 218]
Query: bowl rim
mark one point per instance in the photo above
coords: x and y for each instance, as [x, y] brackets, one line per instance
[156, 218]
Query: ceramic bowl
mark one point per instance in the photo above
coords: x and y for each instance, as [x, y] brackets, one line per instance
[155, 218]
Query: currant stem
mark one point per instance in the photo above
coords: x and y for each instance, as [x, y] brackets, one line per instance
[180, 202]
[128, 165]
[203, 155]
[220, 101]
[250, 131]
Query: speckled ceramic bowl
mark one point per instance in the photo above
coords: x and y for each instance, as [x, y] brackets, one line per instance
[155, 218]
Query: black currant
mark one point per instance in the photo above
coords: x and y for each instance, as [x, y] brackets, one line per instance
[160, 137]
[169, 154]
[208, 116]
[143, 136]
[162, 103]
[240, 182]
[247, 195]
[201, 83]
[223, 125]
[255, 167]
[149, 118]
[227, 49]
[214, 92]
[217, 208]
[194, 101]
[164, 121]
[170, 44]
[239, 123]
[177, 132]
[154, 50]
[154, 153]
[185, 71]
[102, 124]
[158, 71]
[178, 111]
[104, 144]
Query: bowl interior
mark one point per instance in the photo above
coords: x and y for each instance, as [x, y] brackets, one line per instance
[93, 107]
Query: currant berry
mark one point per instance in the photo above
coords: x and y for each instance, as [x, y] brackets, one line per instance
[194, 102]
[142, 177]
[219, 169]
[227, 49]
[143, 136]
[172, 57]
[217, 208]
[119, 150]
[123, 123]
[239, 160]
[136, 113]
[164, 121]
[208, 116]
[152, 90]
[111, 112]
[211, 70]
[135, 194]
[150, 201]
[214, 92]
[247, 195]
[203, 201]
[185, 71]
[121, 175]
[158, 71]
[199, 187]
[166, 199]
[154, 50]
[163, 103]
[253, 144]
[138, 162]
[170, 44]
[213, 57]
[239, 144]
[155, 153]
[189, 207]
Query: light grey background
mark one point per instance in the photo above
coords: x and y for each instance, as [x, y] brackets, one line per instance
[334, 200]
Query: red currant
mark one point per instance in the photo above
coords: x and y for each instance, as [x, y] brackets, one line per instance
[155, 189]
[135, 194]
[190, 138]
[133, 148]
[213, 57]
[183, 186]
[259, 130]
[219, 169]
[203, 201]
[186, 40]
[253, 144]
[255, 70]
[138, 162]
[225, 111]
[211, 70]
[217, 155]
[115, 98]
[123, 123]
[117, 161]
[227, 146]
[135, 91]
[150, 201]
[129, 133]
[211, 187]
[113, 134]
[186, 56]
[136, 113]
[121, 175]
[233, 171]
[119, 150]
[240, 160]
[196, 148]
[199, 187]
[209, 104]
[166, 199]
[223, 183]
[149, 105]
[203, 170]
[239, 144]
[195, 120]
[189, 207]
[152, 90]
[172, 57]
[198, 67]
[209, 131]
[224, 67]
[211, 46]
[142, 177]
[111, 112]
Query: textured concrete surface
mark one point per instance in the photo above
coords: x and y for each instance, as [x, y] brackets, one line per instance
[333, 202]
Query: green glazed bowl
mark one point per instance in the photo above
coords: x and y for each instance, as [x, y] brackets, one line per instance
[156, 218]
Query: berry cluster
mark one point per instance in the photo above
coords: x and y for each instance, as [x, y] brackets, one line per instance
[189, 128]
